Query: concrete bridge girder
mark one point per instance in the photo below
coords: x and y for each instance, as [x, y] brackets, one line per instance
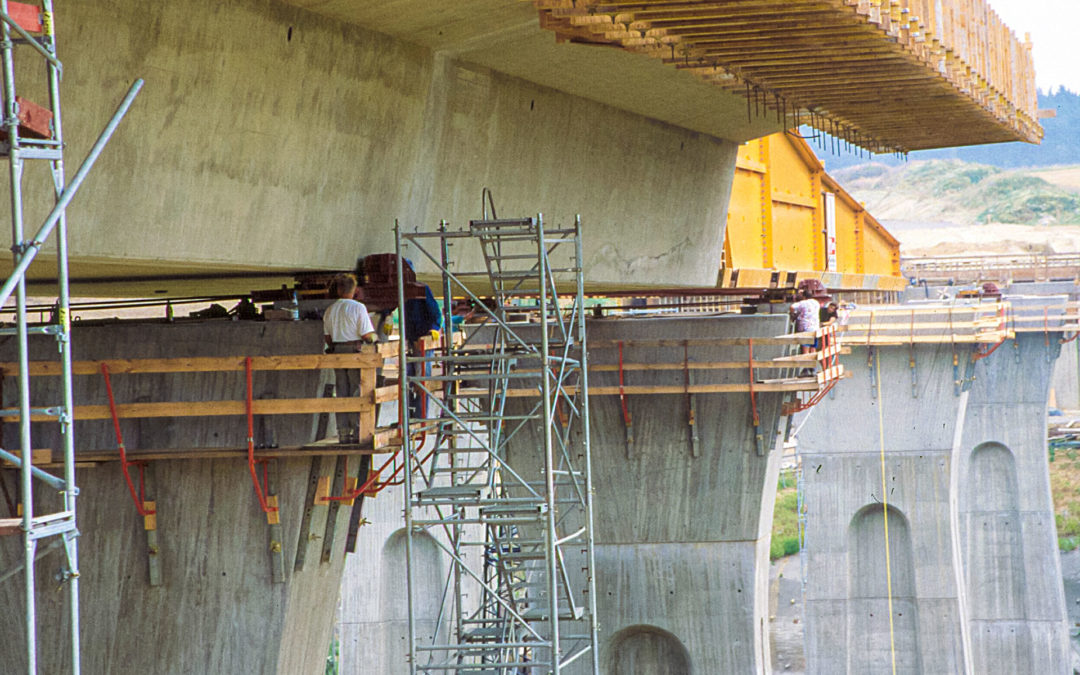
[270, 138]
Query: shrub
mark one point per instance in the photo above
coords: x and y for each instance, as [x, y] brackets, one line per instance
[791, 545]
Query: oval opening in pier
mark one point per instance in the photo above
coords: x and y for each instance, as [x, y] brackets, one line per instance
[647, 650]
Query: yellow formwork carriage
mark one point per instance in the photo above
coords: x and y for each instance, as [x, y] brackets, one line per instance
[789, 220]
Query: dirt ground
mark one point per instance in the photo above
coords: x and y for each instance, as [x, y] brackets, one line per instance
[922, 239]
[785, 616]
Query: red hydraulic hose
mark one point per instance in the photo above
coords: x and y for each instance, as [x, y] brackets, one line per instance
[124, 463]
[259, 491]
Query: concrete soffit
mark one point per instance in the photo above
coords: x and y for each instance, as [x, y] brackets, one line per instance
[506, 36]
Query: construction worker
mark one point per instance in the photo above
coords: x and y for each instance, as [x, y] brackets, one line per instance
[347, 326]
[805, 312]
[829, 314]
[422, 318]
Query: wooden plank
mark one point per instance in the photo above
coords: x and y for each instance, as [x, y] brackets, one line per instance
[812, 357]
[732, 388]
[153, 547]
[208, 364]
[38, 456]
[94, 457]
[333, 507]
[9, 526]
[275, 532]
[388, 393]
[779, 362]
[307, 532]
[692, 365]
[697, 342]
[368, 417]
[281, 406]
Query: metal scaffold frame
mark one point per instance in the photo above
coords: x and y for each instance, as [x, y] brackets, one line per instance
[499, 462]
[32, 132]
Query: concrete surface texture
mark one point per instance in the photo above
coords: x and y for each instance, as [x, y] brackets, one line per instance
[507, 36]
[971, 562]
[304, 138]
[372, 623]
[1065, 383]
[851, 625]
[1011, 563]
[217, 610]
[682, 541]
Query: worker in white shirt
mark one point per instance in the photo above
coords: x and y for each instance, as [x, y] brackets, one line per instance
[346, 326]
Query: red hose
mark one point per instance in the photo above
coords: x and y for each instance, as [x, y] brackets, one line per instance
[124, 464]
[259, 492]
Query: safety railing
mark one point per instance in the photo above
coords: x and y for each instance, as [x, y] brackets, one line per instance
[369, 361]
[1002, 268]
[917, 323]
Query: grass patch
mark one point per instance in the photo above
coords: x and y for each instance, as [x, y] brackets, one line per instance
[785, 529]
[1065, 487]
[333, 654]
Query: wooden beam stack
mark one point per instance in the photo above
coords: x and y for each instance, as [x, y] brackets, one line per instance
[887, 75]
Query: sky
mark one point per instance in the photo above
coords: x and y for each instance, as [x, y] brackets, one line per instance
[1053, 25]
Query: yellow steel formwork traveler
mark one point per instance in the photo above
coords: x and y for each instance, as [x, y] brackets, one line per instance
[788, 220]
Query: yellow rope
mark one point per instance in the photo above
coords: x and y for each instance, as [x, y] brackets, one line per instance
[885, 509]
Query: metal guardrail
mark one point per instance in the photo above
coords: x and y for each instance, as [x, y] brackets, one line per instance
[1001, 268]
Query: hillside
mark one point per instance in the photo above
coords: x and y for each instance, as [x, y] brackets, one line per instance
[946, 207]
[961, 193]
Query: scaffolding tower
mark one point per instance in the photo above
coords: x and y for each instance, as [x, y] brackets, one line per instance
[497, 452]
[30, 131]
[33, 132]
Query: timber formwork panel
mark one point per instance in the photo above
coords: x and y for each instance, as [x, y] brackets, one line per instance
[887, 76]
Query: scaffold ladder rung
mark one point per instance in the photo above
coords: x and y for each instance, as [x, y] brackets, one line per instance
[484, 488]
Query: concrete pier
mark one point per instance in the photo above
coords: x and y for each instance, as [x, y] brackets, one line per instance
[947, 454]
[217, 609]
[1011, 562]
[682, 538]
[682, 541]
[852, 626]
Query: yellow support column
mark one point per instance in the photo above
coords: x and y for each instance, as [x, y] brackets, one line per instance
[818, 250]
[766, 204]
[860, 241]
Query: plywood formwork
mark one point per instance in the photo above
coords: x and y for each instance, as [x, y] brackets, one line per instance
[781, 199]
[886, 74]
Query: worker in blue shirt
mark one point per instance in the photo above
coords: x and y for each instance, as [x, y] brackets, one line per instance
[422, 316]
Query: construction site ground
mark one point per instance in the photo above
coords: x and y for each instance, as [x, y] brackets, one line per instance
[935, 239]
